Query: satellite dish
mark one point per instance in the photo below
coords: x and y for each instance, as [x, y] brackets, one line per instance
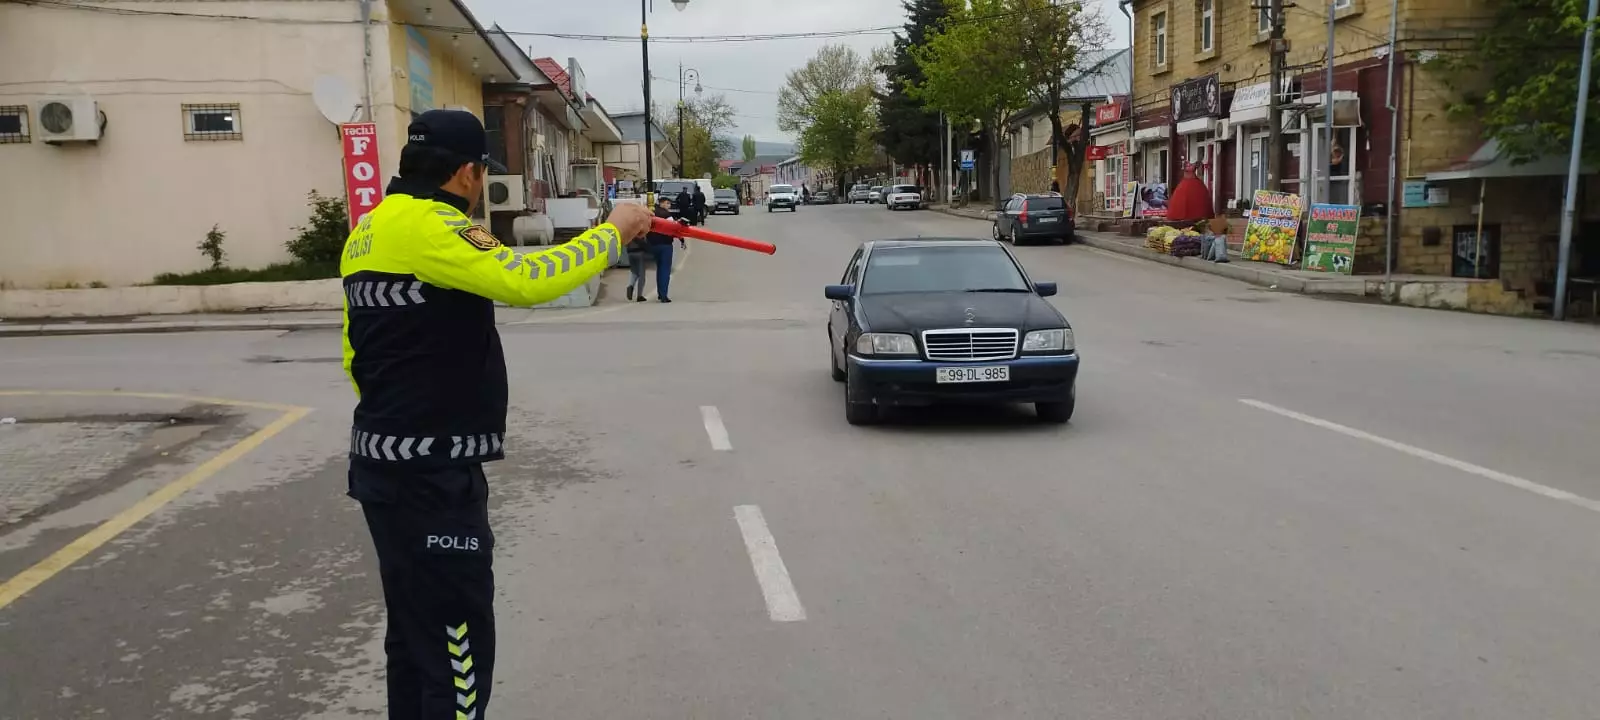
[336, 101]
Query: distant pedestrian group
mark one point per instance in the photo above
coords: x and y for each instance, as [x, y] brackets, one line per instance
[659, 247]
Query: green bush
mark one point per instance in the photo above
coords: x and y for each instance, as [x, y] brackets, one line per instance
[321, 239]
[280, 272]
[211, 247]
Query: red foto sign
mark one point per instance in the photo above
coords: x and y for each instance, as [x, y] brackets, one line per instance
[1095, 152]
[1107, 114]
[362, 186]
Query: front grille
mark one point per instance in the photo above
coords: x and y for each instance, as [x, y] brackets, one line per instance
[974, 344]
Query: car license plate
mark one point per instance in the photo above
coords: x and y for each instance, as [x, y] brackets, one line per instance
[1048, 220]
[994, 373]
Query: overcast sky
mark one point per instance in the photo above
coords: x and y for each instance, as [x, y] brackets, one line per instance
[748, 74]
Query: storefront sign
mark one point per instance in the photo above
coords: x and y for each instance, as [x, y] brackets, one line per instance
[1251, 97]
[1109, 113]
[1331, 238]
[1274, 223]
[1197, 98]
[1095, 152]
[1421, 194]
[363, 187]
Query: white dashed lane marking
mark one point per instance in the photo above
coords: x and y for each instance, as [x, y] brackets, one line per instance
[783, 603]
[714, 428]
[1431, 456]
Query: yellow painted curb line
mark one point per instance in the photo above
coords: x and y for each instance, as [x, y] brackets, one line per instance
[74, 551]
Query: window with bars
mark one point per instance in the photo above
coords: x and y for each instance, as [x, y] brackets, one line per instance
[212, 122]
[13, 124]
[1208, 25]
[1263, 20]
[1158, 31]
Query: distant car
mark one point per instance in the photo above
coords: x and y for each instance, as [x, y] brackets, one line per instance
[925, 321]
[823, 197]
[782, 197]
[1025, 218]
[859, 193]
[724, 200]
[875, 195]
[903, 196]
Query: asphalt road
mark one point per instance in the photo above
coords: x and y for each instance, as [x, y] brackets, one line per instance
[1266, 506]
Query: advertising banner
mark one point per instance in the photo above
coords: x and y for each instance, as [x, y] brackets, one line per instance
[1274, 223]
[1331, 238]
[1152, 200]
[1130, 198]
[363, 187]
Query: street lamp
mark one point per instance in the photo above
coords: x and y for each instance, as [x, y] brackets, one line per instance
[683, 80]
[649, 141]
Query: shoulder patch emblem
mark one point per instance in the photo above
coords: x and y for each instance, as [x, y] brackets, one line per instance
[478, 237]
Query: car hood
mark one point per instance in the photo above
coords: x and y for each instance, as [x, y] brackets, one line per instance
[915, 312]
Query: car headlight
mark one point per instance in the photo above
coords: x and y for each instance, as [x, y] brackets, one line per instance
[1048, 341]
[885, 344]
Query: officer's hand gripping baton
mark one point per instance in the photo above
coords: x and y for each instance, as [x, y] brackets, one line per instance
[676, 229]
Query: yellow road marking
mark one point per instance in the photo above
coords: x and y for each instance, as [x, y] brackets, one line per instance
[59, 560]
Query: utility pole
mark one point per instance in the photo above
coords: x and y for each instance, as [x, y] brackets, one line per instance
[1318, 193]
[1574, 166]
[1279, 48]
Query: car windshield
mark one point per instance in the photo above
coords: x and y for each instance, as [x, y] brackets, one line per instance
[905, 189]
[858, 188]
[726, 194]
[931, 268]
[673, 188]
[782, 189]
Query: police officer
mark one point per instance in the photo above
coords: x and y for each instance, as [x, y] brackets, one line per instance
[420, 346]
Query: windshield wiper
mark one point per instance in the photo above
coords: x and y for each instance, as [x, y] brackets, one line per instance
[998, 290]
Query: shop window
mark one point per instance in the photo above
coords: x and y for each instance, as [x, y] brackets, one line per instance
[212, 122]
[494, 130]
[13, 124]
[1255, 169]
[1473, 255]
[1343, 4]
[1208, 25]
[1158, 38]
[1155, 165]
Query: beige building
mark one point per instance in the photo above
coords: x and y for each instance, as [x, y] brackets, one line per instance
[185, 120]
[1201, 95]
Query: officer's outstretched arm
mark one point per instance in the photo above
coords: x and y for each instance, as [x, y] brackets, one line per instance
[473, 261]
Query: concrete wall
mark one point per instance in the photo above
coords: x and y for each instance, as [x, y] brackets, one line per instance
[136, 204]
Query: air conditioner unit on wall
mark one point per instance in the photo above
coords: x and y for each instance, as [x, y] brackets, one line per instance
[74, 119]
[507, 194]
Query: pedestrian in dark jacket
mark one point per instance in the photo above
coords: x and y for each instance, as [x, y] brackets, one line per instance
[661, 250]
[685, 205]
[699, 205]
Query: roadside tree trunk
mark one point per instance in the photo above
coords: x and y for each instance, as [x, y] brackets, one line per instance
[1074, 143]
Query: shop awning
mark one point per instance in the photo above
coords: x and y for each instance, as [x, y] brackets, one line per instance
[1490, 162]
[1159, 132]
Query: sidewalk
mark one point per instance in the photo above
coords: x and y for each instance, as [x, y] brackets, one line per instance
[1266, 275]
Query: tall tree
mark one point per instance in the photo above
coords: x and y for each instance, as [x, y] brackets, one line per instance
[1521, 81]
[840, 135]
[749, 148]
[706, 121]
[1058, 40]
[976, 42]
[834, 69]
[908, 128]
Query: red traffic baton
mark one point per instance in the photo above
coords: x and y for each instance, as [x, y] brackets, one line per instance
[676, 229]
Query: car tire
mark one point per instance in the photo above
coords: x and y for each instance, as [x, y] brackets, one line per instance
[769, 208]
[1015, 241]
[1055, 413]
[833, 361]
[994, 231]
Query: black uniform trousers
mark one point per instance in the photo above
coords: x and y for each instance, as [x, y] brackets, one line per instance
[435, 557]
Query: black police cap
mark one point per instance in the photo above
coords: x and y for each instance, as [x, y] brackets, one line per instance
[457, 131]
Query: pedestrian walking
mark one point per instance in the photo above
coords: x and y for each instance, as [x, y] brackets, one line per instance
[685, 204]
[422, 351]
[637, 249]
[699, 205]
[661, 251]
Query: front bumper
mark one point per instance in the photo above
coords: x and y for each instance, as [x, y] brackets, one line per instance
[911, 382]
[907, 203]
[780, 203]
[725, 207]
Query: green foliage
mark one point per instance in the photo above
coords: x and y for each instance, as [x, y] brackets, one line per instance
[211, 247]
[272, 273]
[971, 67]
[1521, 79]
[748, 148]
[320, 241]
[706, 121]
[841, 135]
[908, 129]
[835, 69]
[725, 181]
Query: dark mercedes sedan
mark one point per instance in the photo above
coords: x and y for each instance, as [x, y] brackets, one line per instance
[924, 321]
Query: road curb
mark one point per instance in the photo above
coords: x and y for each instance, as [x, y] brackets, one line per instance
[129, 328]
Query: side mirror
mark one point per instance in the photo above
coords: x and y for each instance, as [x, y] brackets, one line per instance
[839, 292]
[1045, 289]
